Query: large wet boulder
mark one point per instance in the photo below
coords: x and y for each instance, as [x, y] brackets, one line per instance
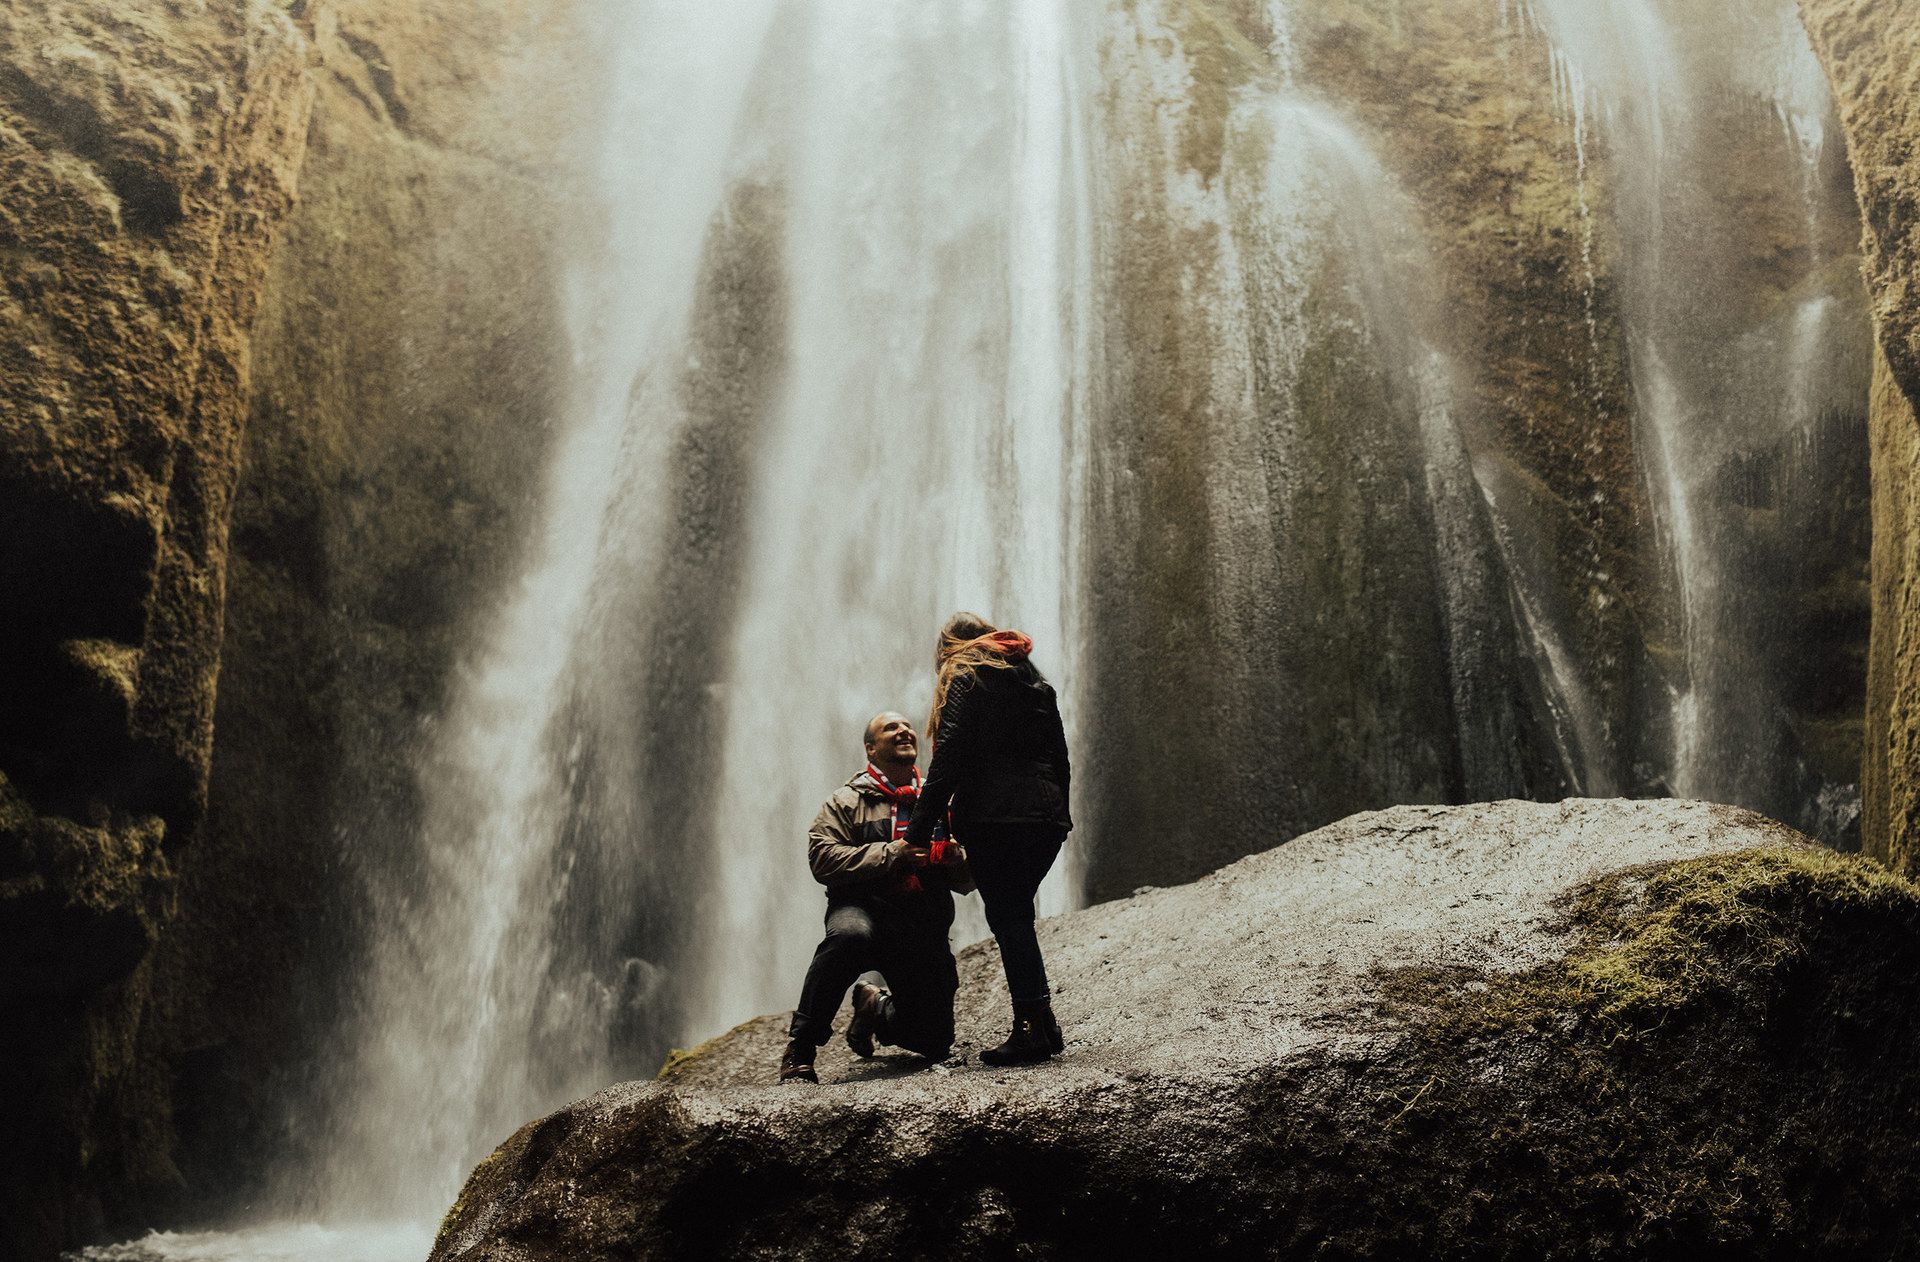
[1594, 1029]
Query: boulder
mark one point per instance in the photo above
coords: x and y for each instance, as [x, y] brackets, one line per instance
[1592, 1028]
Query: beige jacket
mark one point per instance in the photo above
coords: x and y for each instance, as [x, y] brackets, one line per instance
[851, 841]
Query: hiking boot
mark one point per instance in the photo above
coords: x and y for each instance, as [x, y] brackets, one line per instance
[866, 1018]
[796, 1065]
[1035, 1036]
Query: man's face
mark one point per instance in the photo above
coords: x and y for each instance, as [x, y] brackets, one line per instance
[890, 737]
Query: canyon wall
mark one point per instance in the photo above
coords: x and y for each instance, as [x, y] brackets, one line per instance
[1423, 402]
[148, 156]
[1871, 52]
[366, 406]
[404, 379]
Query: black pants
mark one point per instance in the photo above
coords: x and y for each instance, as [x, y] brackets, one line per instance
[913, 955]
[1008, 862]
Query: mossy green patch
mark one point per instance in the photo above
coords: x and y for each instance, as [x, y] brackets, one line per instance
[679, 1059]
[1652, 1037]
[478, 1184]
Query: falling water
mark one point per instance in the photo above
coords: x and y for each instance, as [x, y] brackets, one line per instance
[829, 355]
[1720, 381]
[926, 452]
[448, 1061]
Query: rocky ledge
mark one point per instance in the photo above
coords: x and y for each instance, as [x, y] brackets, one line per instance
[1590, 1029]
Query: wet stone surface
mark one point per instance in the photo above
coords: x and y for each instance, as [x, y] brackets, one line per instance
[1362, 1040]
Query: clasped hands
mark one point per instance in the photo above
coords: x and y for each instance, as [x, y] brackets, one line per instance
[900, 854]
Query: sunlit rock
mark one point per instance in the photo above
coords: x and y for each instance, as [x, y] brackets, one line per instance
[148, 156]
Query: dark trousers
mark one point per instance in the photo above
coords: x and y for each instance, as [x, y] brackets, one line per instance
[913, 955]
[1008, 862]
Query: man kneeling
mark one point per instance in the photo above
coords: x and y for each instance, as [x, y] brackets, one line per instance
[889, 907]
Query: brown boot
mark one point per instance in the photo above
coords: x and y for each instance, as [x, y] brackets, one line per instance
[797, 1064]
[866, 1017]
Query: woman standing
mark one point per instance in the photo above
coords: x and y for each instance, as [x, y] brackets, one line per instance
[1000, 775]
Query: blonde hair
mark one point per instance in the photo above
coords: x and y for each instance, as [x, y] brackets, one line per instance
[963, 648]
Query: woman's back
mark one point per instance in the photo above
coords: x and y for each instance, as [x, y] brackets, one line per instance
[1001, 751]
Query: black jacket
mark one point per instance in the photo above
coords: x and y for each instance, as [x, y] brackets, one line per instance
[1000, 756]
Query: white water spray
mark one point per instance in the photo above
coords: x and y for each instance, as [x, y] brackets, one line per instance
[446, 1063]
[927, 453]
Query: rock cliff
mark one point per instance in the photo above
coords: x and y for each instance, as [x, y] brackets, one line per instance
[404, 382]
[148, 155]
[1599, 1028]
[277, 442]
[1871, 52]
[1380, 271]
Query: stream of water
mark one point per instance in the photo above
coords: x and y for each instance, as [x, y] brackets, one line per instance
[828, 391]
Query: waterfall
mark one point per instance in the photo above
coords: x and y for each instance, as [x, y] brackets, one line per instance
[830, 331]
[925, 454]
[880, 311]
[1720, 379]
[447, 1061]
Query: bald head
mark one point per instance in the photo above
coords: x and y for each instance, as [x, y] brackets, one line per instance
[892, 746]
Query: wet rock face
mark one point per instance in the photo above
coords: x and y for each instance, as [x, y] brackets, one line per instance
[148, 154]
[402, 391]
[1871, 53]
[1600, 1028]
[1382, 480]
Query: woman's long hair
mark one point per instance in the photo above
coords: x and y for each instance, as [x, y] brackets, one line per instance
[967, 643]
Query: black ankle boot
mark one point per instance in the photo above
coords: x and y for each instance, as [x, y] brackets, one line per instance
[1035, 1036]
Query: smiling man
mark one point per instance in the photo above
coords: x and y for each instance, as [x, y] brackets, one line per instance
[889, 908]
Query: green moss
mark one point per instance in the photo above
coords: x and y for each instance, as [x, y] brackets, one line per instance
[679, 1059]
[478, 1181]
[1658, 1092]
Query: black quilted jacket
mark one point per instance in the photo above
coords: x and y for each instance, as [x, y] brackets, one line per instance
[1000, 756]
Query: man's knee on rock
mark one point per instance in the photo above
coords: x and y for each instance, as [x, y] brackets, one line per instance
[927, 1033]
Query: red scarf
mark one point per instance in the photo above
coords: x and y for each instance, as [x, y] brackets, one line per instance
[903, 797]
[907, 793]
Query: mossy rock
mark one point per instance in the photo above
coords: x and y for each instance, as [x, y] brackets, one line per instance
[1597, 1029]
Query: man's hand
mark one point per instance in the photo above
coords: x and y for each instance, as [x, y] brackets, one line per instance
[901, 855]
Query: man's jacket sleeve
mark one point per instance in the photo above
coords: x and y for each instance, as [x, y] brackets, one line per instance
[833, 854]
[953, 752]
